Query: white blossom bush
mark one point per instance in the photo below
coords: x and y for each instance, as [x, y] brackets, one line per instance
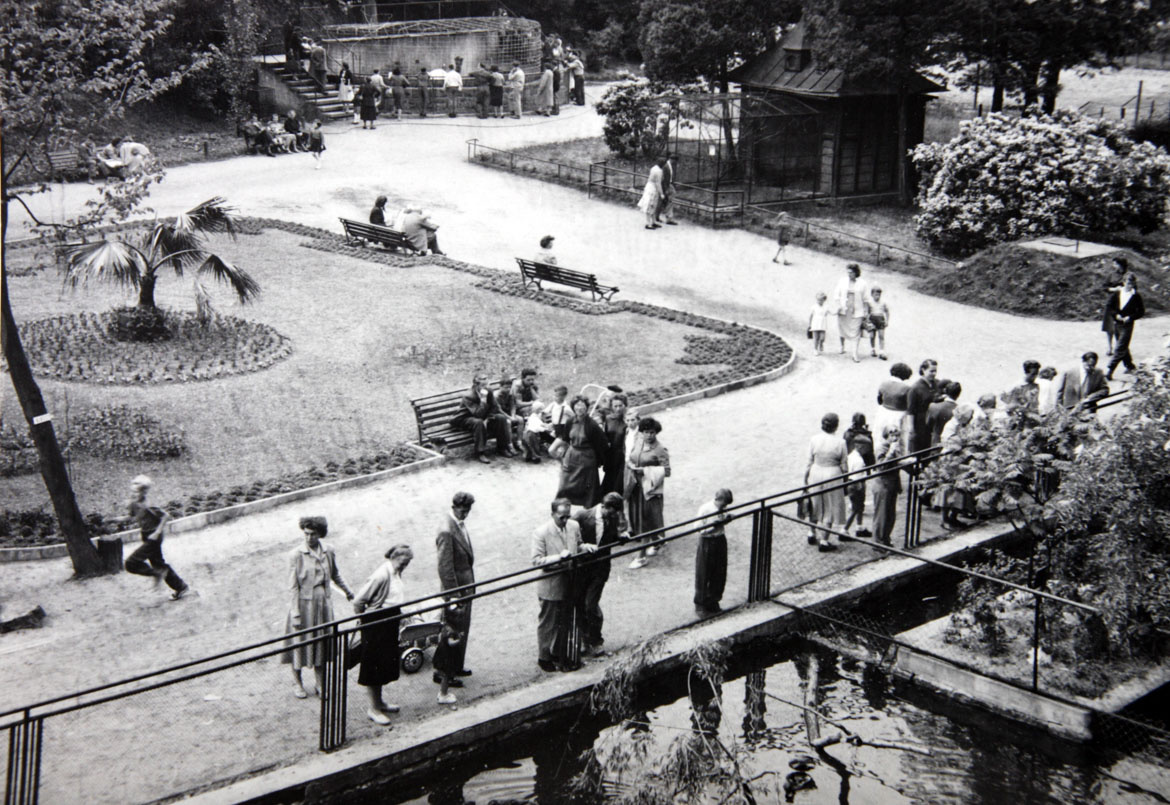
[1003, 178]
[637, 118]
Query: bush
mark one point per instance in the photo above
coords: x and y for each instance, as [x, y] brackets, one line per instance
[124, 432]
[142, 324]
[1155, 132]
[636, 118]
[1004, 178]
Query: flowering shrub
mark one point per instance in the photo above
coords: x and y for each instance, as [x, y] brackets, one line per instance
[1004, 178]
[637, 117]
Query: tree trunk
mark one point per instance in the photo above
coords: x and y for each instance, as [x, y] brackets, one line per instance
[1051, 86]
[903, 166]
[86, 561]
[1031, 81]
[146, 290]
[997, 95]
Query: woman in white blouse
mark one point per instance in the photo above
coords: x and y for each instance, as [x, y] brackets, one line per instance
[852, 298]
[379, 603]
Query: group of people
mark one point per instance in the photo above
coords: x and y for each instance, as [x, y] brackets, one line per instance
[915, 416]
[860, 312]
[119, 157]
[287, 135]
[413, 222]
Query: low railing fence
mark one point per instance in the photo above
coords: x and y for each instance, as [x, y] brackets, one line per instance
[478, 152]
[206, 706]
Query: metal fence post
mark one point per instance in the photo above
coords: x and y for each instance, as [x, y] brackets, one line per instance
[760, 569]
[913, 509]
[23, 780]
[1036, 643]
[333, 692]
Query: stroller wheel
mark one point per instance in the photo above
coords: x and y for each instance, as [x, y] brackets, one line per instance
[412, 660]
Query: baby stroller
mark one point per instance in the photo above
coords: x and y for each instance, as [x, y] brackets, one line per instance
[416, 634]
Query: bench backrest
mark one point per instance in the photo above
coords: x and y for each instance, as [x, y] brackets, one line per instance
[63, 160]
[434, 415]
[565, 276]
[358, 229]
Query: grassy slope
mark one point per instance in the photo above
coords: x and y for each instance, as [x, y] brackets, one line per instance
[345, 391]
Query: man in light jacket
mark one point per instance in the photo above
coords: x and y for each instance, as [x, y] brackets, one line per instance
[552, 544]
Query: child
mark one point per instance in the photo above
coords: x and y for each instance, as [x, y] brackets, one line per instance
[781, 238]
[856, 491]
[817, 321]
[559, 413]
[317, 143]
[1046, 398]
[879, 317]
[538, 433]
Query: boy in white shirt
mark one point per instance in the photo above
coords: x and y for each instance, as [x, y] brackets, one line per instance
[559, 413]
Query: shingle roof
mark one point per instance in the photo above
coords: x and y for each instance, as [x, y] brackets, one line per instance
[768, 71]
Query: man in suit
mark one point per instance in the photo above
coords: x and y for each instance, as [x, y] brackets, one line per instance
[419, 229]
[455, 560]
[666, 206]
[480, 413]
[604, 525]
[922, 394]
[553, 543]
[1127, 307]
[1082, 386]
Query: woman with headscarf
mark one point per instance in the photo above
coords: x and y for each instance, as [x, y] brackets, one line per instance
[312, 566]
[827, 462]
[379, 603]
[852, 298]
[586, 450]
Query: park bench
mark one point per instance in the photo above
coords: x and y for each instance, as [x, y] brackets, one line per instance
[434, 415]
[358, 231]
[534, 273]
[64, 163]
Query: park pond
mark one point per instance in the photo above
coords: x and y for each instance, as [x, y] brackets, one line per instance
[899, 745]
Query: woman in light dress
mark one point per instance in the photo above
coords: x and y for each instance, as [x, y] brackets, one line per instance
[652, 193]
[312, 566]
[827, 462]
[647, 468]
[852, 298]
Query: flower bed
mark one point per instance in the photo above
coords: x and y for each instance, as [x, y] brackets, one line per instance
[79, 347]
[36, 527]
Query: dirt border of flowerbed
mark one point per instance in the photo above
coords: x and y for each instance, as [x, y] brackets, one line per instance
[643, 400]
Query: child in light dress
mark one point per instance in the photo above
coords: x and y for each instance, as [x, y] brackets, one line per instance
[879, 317]
[538, 433]
[817, 321]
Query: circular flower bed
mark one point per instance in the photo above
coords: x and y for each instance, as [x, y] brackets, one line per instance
[80, 347]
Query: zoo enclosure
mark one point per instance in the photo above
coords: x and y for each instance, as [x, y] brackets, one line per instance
[46, 734]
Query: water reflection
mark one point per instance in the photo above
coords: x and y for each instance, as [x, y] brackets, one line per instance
[814, 728]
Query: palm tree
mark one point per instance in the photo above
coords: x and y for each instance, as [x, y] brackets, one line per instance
[178, 244]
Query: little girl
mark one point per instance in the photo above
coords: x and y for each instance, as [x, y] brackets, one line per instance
[316, 143]
[817, 321]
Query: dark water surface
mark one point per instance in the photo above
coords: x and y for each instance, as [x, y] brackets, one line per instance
[927, 750]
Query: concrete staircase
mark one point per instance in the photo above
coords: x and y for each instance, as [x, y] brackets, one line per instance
[325, 102]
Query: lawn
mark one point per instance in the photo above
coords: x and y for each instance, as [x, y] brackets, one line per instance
[366, 338]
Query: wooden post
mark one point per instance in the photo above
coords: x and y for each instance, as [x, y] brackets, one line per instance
[1137, 107]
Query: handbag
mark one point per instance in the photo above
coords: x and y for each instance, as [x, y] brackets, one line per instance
[809, 332]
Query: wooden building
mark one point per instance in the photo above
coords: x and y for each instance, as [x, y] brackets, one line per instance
[851, 147]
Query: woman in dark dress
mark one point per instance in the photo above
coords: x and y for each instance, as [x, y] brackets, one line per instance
[614, 425]
[587, 448]
[369, 95]
[378, 602]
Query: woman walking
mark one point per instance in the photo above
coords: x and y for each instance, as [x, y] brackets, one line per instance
[586, 450]
[316, 143]
[852, 298]
[1108, 322]
[827, 461]
[312, 566]
[652, 194]
[379, 603]
[647, 468]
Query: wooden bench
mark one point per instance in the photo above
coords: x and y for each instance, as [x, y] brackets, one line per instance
[357, 231]
[64, 163]
[535, 273]
[434, 414]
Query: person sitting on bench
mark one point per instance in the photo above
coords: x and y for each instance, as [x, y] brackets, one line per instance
[378, 214]
[545, 255]
[109, 158]
[420, 231]
[480, 414]
[292, 125]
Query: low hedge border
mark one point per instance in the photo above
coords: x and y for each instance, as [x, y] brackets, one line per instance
[754, 355]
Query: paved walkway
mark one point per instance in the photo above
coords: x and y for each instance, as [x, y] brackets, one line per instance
[752, 441]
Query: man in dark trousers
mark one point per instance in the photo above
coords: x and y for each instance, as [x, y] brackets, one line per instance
[480, 414]
[1127, 307]
[424, 84]
[603, 525]
[558, 539]
[148, 560]
[711, 556]
[455, 559]
[922, 394]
